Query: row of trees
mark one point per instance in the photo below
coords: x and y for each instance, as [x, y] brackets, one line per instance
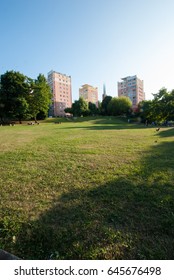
[160, 109]
[109, 106]
[22, 97]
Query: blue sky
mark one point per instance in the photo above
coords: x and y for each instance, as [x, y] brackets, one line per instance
[94, 41]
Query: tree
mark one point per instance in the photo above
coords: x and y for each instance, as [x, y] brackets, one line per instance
[92, 108]
[80, 108]
[42, 115]
[163, 104]
[99, 109]
[39, 98]
[170, 106]
[21, 110]
[68, 110]
[145, 111]
[13, 92]
[159, 105]
[119, 106]
[160, 95]
[104, 105]
[160, 109]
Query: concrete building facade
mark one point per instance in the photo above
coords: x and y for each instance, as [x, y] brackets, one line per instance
[89, 93]
[133, 88]
[60, 85]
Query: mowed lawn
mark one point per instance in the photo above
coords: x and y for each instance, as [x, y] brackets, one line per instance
[87, 189]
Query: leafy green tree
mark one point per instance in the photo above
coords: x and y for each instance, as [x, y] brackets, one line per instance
[163, 104]
[80, 107]
[92, 108]
[13, 92]
[42, 115]
[170, 106]
[119, 106]
[68, 110]
[104, 105]
[160, 95]
[99, 109]
[22, 109]
[160, 109]
[39, 98]
[145, 111]
[159, 105]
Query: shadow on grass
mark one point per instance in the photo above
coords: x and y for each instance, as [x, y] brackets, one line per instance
[167, 133]
[127, 218]
[102, 127]
[112, 126]
[120, 126]
[96, 123]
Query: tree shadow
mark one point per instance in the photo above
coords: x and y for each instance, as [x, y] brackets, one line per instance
[167, 133]
[130, 217]
[100, 123]
[106, 127]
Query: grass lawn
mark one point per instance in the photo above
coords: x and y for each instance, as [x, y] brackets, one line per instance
[87, 189]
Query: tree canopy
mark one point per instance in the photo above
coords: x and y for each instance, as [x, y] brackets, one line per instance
[13, 92]
[104, 105]
[22, 97]
[39, 97]
[160, 109]
[80, 107]
[119, 106]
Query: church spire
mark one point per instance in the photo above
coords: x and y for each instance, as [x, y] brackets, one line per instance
[104, 91]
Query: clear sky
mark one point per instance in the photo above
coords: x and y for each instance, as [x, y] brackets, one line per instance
[94, 41]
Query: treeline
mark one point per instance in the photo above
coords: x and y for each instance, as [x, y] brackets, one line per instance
[109, 106]
[23, 98]
[158, 110]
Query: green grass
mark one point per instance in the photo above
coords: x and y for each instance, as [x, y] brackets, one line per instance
[90, 188]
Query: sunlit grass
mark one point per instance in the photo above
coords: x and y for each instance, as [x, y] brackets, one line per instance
[87, 189]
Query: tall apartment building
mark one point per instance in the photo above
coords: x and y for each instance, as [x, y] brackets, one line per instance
[133, 88]
[89, 93]
[60, 85]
